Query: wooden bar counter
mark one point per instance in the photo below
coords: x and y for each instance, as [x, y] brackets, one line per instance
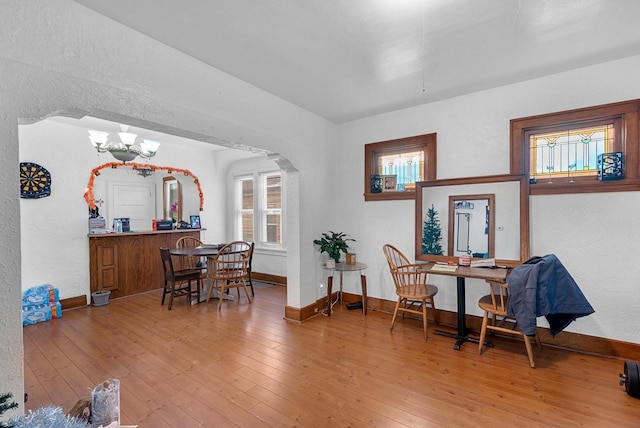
[129, 263]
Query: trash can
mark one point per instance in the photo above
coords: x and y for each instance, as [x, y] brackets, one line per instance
[100, 298]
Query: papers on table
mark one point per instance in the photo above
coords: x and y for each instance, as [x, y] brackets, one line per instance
[210, 246]
[444, 268]
[483, 263]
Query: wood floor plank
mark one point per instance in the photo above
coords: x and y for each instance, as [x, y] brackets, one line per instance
[244, 365]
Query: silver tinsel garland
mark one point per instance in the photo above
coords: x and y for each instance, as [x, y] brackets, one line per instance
[47, 417]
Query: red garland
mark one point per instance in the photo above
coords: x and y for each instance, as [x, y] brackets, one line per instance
[90, 198]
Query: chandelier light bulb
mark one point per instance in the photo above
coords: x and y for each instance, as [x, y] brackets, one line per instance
[127, 138]
[150, 146]
[98, 138]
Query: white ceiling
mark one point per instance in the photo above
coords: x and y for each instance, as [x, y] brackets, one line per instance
[347, 59]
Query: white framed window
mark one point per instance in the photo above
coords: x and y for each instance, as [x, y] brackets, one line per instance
[271, 208]
[245, 209]
[259, 208]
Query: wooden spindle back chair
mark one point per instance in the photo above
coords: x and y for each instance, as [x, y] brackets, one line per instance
[494, 306]
[415, 295]
[230, 269]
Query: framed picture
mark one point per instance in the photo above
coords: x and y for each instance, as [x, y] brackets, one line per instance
[195, 222]
[389, 183]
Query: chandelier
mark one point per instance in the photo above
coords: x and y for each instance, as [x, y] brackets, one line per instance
[125, 147]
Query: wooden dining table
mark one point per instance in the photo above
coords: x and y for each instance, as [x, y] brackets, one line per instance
[461, 273]
[199, 251]
[205, 250]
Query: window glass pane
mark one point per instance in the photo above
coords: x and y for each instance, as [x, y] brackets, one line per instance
[247, 194]
[273, 228]
[274, 194]
[569, 153]
[247, 226]
[407, 166]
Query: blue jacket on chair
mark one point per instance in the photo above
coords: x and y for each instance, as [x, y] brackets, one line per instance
[542, 286]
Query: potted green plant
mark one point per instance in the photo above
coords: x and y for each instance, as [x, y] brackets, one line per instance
[333, 243]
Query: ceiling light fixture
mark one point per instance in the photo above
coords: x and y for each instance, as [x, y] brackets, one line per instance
[144, 172]
[125, 146]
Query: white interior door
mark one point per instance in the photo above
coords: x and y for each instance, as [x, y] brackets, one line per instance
[135, 201]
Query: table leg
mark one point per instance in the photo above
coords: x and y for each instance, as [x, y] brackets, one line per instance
[329, 292]
[462, 335]
[462, 308]
[363, 284]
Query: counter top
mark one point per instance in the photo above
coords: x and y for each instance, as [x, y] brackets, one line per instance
[142, 232]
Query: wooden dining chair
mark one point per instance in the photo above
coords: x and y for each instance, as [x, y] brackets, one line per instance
[178, 282]
[230, 269]
[494, 305]
[193, 262]
[189, 262]
[394, 256]
[250, 263]
[415, 295]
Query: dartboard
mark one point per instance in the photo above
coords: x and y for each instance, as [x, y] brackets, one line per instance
[35, 181]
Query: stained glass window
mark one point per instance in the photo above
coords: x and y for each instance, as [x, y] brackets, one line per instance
[407, 167]
[403, 161]
[559, 151]
[569, 153]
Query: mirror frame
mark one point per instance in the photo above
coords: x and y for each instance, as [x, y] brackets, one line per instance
[452, 246]
[423, 186]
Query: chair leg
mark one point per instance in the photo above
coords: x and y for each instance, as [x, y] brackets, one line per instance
[494, 322]
[190, 291]
[213, 283]
[538, 340]
[251, 285]
[395, 313]
[246, 291]
[164, 292]
[527, 343]
[483, 331]
[221, 298]
[424, 318]
[433, 309]
[173, 288]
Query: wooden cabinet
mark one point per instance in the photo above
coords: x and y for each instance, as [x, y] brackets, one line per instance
[129, 263]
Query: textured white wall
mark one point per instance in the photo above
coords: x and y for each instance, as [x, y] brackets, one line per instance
[594, 235]
[57, 56]
[11, 357]
[54, 229]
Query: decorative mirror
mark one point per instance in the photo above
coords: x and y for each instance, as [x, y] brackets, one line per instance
[496, 227]
[471, 228]
[172, 198]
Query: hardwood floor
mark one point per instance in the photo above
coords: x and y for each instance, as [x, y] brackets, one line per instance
[245, 365]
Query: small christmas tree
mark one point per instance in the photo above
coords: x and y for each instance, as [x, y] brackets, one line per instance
[431, 233]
